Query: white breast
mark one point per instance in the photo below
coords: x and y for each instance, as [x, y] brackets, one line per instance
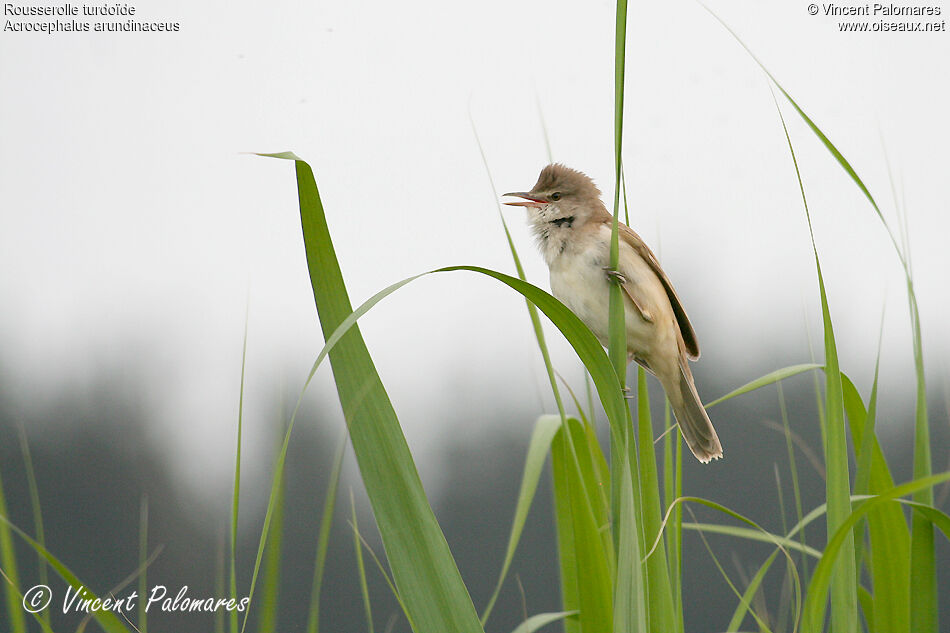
[579, 281]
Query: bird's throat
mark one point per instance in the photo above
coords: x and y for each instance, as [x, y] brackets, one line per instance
[553, 237]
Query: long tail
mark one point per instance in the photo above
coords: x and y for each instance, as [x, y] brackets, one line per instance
[697, 430]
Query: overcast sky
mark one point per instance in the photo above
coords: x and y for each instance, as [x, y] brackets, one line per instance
[135, 233]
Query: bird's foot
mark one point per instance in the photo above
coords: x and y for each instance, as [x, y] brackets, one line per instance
[614, 275]
[628, 393]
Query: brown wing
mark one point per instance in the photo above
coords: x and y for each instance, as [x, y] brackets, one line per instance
[689, 336]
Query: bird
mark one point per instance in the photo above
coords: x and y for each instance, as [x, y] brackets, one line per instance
[573, 231]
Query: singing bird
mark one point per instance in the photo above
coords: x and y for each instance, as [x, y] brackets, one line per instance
[573, 230]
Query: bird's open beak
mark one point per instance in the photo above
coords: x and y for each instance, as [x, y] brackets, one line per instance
[529, 200]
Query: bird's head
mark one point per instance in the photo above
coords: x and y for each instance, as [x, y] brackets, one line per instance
[562, 197]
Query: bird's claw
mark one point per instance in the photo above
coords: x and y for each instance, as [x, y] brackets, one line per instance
[628, 393]
[614, 275]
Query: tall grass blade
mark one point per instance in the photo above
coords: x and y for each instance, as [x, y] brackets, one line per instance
[274, 500]
[564, 522]
[585, 418]
[862, 430]
[922, 547]
[532, 311]
[588, 460]
[142, 623]
[923, 560]
[658, 590]
[236, 497]
[617, 349]
[783, 544]
[220, 585]
[544, 431]
[323, 537]
[592, 570]
[600, 489]
[793, 468]
[423, 568]
[8, 564]
[389, 583]
[673, 476]
[814, 609]
[109, 622]
[745, 600]
[767, 379]
[565, 531]
[267, 616]
[924, 604]
[889, 565]
[42, 572]
[761, 619]
[631, 609]
[839, 157]
[360, 568]
[844, 598]
[585, 344]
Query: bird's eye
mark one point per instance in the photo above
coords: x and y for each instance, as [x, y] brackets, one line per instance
[556, 196]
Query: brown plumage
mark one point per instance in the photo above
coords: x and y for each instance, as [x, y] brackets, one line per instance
[573, 229]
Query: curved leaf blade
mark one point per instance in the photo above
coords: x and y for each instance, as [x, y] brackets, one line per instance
[544, 430]
[423, 568]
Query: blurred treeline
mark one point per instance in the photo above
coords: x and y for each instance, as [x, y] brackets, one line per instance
[94, 464]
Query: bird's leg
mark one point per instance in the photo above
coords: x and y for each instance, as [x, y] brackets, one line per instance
[614, 275]
[618, 277]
